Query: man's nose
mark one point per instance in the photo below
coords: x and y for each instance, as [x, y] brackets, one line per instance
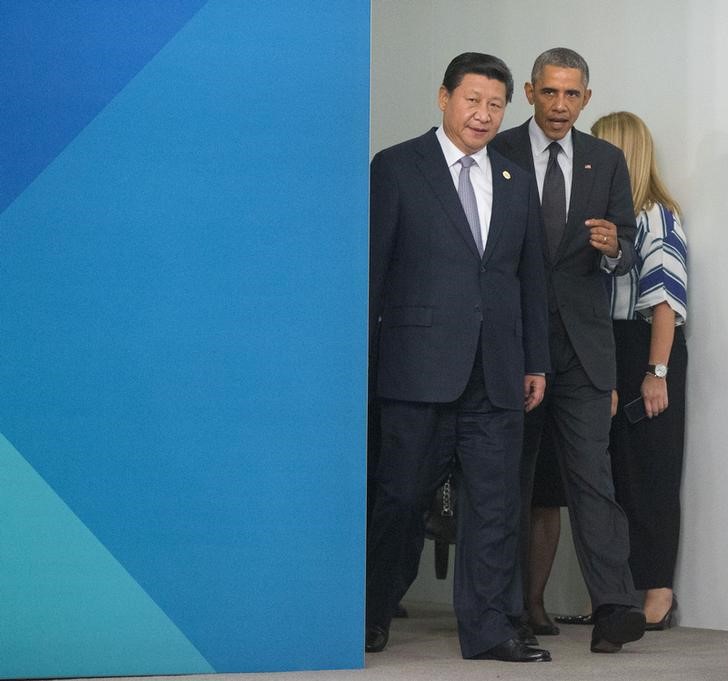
[483, 113]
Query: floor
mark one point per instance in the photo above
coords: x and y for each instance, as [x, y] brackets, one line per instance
[424, 647]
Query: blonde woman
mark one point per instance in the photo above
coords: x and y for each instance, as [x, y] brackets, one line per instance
[649, 308]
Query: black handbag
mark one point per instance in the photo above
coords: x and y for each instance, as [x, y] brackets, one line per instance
[441, 524]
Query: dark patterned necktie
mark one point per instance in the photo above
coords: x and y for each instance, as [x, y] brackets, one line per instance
[553, 200]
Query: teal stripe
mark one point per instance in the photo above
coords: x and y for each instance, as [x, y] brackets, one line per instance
[68, 607]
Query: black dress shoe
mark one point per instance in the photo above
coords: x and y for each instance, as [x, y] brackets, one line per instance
[376, 638]
[514, 650]
[574, 619]
[601, 645]
[667, 621]
[615, 625]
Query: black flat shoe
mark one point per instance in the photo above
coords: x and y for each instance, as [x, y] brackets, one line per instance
[376, 639]
[514, 650]
[667, 621]
[574, 619]
[547, 628]
[400, 611]
[525, 635]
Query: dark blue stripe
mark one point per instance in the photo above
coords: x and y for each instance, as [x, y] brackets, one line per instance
[62, 62]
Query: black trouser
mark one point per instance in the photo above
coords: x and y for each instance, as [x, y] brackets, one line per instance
[417, 443]
[579, 418]
[647, 457]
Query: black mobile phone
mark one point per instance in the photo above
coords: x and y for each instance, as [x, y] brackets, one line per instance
[635, 410]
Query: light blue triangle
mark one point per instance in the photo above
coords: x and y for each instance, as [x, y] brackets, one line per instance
[67, 607]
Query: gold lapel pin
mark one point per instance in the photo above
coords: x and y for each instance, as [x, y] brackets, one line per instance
[507, 175]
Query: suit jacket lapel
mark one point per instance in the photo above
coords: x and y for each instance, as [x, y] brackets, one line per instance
[520, 151]
[502, 192]
[582, 179]
[432, 165]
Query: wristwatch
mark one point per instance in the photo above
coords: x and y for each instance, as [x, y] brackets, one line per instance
[658, 370]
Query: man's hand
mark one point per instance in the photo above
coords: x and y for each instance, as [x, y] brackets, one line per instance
[615, 403]
[603, 236]
[533, 390]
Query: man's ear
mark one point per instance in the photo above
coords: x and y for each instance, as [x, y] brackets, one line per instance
[442, 97]
[587, 97]
[528, 89]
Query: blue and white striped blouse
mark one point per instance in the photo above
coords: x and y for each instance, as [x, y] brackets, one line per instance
[660, 274]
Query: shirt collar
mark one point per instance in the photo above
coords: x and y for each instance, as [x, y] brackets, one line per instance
[453, 154]
[540, 143]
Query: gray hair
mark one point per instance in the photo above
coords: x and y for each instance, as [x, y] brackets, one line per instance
[562, 57]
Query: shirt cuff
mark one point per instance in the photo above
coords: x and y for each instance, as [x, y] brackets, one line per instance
[609, 264]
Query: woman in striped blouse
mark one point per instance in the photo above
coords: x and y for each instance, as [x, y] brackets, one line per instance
[649, 308]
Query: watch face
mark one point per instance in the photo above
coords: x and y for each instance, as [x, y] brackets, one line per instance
[660, 370]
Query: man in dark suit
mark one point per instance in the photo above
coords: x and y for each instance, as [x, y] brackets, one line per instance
[458, 340]
[590, 235]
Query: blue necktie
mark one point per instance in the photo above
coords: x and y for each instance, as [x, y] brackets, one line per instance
[467, 198]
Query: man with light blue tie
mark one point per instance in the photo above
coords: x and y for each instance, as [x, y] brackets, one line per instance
[458, 348]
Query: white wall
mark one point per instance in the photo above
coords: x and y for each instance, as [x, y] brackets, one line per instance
[665, 61]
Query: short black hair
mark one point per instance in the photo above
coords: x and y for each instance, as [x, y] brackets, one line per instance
[481, 64]
[564, 58]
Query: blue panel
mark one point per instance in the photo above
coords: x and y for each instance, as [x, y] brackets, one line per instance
[182, 310]
[62, 62]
